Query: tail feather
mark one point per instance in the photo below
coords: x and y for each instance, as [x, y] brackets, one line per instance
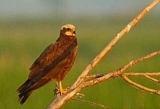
[24, 91]
[22, 86]
[23, 97]
[28, 86]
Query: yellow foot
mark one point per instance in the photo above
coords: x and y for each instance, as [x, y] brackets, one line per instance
[58, 91]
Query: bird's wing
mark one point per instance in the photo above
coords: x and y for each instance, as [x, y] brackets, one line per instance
[51, 56]
[46, 58]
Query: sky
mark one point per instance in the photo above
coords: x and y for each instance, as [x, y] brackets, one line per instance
[46, 8]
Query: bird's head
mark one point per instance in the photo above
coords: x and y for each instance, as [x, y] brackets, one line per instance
[68, 30]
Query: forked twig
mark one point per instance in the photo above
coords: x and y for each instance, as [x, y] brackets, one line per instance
[139, 86]
[120, 71]
[147, 75]
[151, 78]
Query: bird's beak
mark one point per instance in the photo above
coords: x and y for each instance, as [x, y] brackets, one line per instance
[68, 33]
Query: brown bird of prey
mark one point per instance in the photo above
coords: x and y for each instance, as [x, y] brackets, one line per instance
[53, 64]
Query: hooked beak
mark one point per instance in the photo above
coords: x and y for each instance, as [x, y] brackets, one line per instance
[69, 33]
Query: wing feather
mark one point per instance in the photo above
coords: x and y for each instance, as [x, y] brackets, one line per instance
[53, 54]
[47, 56]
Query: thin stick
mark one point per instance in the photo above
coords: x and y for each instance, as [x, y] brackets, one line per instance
[147, 75]
[90, 77]
[151, 78]
[139, 86]
[142, 74]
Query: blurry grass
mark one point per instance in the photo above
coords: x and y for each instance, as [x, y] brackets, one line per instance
[21, 42]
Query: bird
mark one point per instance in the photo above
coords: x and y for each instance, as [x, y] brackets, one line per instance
[52, 64]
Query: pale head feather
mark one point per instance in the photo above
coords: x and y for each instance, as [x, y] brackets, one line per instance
[72, 27]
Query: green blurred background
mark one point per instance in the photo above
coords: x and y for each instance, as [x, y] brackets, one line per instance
[28, 26]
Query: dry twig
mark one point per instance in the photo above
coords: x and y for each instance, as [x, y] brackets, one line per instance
[119, 72]
[81, 82]
[142, 74]
[147, 75]
[139, 86]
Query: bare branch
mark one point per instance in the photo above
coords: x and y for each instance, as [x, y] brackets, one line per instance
[120, 71]
[147, 75]
[80, 83]
[142, 74]
[139, 86]
[93, 79]
[60, 100]
[151, 78]
[113, 42]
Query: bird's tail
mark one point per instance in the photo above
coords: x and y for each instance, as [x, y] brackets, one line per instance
[28, 86]
[23, 97]
[24, 91]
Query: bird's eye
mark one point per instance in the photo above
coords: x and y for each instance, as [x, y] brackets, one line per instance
[74, 32]
[67, 29]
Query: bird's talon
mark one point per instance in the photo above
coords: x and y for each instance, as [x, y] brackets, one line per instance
[60, 92]
[56, 91]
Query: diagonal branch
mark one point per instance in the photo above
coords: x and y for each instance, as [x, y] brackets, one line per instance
[151, 78]
[59, 101]
[113, 42]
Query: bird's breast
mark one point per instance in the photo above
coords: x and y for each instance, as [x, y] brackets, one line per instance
[63, 67]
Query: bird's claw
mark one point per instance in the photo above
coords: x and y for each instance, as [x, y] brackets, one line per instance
[58, 91]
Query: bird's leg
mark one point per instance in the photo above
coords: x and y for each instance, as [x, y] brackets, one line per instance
[59, 88]
[60, 91]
